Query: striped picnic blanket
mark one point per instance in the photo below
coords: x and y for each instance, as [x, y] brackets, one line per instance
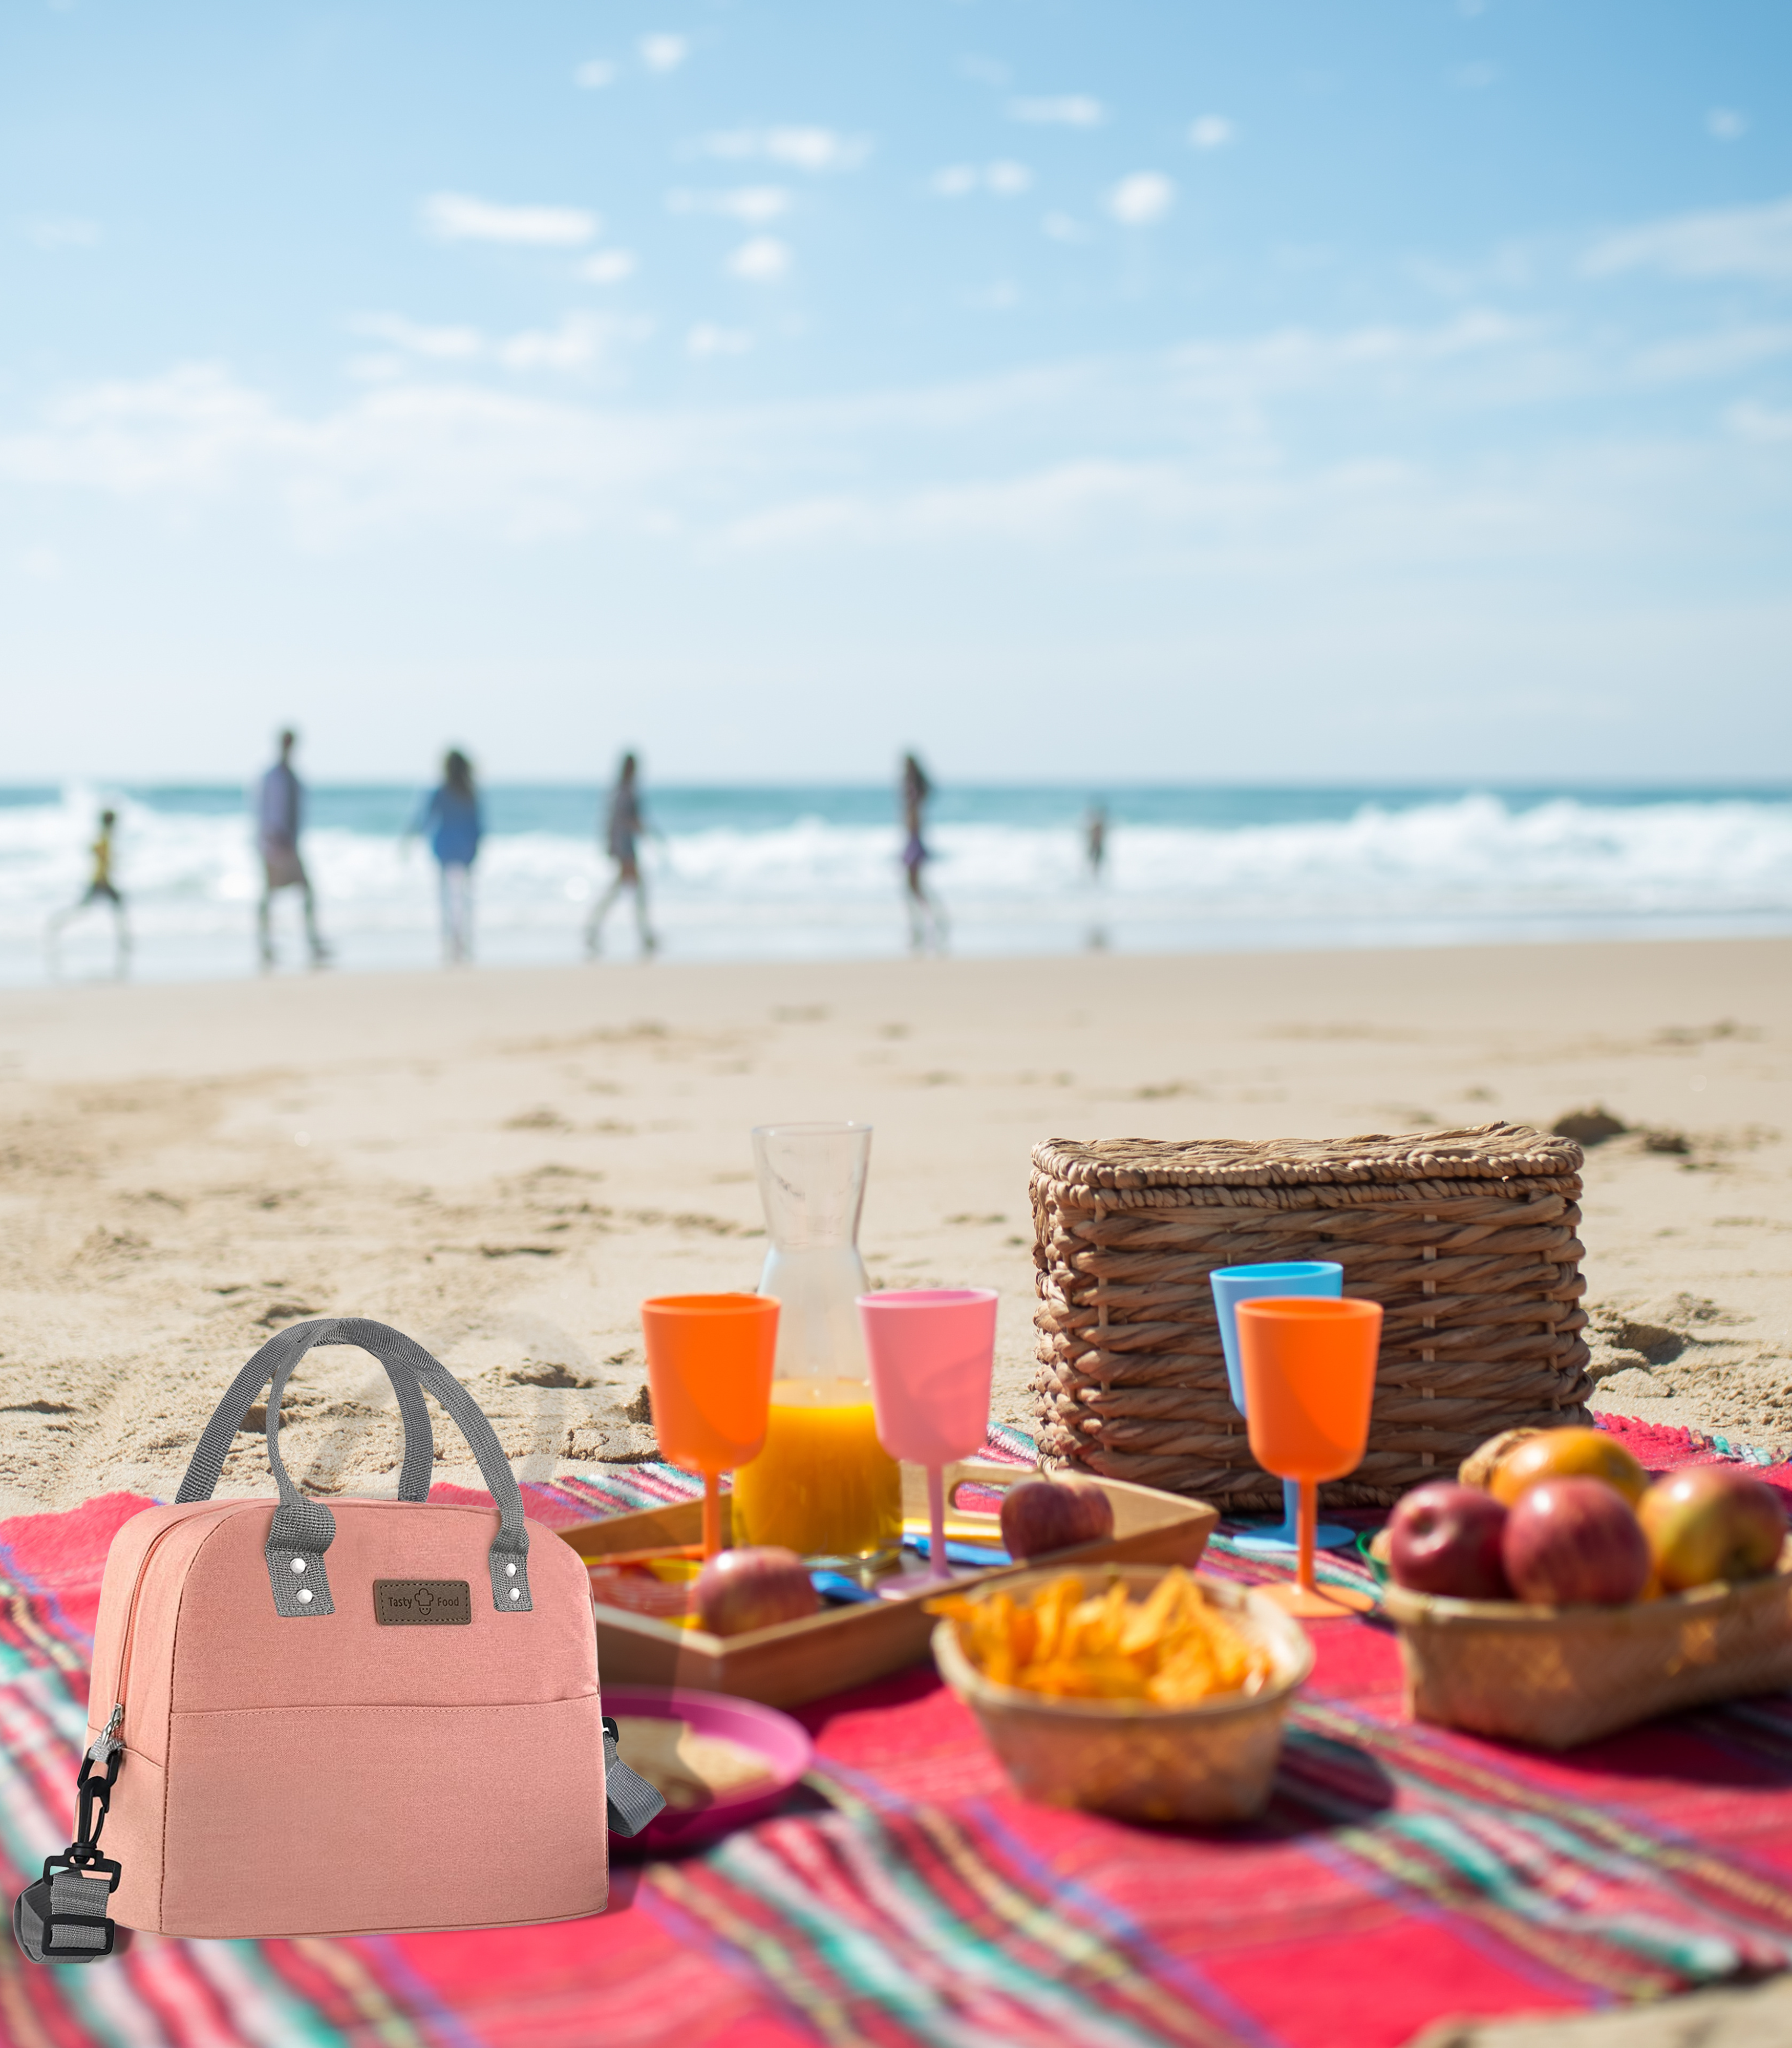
[906, 1896]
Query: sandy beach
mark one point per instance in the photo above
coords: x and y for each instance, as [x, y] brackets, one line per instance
[504, 1163]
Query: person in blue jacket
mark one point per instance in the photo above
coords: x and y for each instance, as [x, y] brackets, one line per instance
[451, 816]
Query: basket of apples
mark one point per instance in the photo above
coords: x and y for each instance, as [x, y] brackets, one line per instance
[1552, 1594]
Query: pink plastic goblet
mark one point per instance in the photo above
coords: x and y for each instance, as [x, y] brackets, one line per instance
[933, 1355]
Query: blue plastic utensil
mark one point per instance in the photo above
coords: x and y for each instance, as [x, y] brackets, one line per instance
[837, 1587]
[986, 1555]
[1232, 1285]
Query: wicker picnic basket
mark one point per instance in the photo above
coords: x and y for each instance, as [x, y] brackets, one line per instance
[1467, 1239]
[1557, 1676]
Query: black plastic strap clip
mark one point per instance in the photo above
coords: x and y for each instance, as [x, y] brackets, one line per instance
[59, 1919]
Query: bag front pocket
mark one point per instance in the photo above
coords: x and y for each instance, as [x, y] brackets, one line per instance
[369, 1819]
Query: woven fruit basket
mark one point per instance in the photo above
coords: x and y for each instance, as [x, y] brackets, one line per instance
[1557, 1677]
[1467, 1239]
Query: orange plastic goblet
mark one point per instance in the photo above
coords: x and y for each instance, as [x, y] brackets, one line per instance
[709, 1361]
[1310, 1382]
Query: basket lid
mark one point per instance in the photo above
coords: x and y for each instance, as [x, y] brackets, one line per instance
[1488, 1152]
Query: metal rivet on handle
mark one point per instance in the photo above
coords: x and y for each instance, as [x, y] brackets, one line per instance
[298, 1564]
[511, 1569]
[305, 1594]
[516, 1593]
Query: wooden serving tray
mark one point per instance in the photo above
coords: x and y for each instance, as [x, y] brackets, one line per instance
[849, 1645]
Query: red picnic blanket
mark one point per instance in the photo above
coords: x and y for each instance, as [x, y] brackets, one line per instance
[906, 1896]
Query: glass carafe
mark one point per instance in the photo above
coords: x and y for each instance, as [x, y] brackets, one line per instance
[823, 1486]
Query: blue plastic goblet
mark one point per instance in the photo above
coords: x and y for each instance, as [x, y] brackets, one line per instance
[1232, 1285]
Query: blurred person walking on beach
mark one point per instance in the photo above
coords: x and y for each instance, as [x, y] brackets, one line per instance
[452, 809]
[1095, 853]
[622, 833]
[101, 889]
[1095, 840]
[279, 818]
[924, 910]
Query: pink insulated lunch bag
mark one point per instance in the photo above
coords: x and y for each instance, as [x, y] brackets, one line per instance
[376, 1717]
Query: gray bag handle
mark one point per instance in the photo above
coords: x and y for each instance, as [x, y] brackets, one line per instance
[303, 1529]
[286, 1348]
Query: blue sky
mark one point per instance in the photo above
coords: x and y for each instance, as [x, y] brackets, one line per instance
[1161, 391]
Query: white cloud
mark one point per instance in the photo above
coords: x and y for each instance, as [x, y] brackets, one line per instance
[63, 233]
[597, 72]
[755, 204]
[1144, 197]
[1724, 124]
[1295, 360]
[41, 565]
[608, 266]
[405, 457]
[705, 340]
[1007, 179]
[664, 52]
[414, 454]
[1475, 77]
[1039, 504]
[1688, 358]
[1070, 110]
[1739, 242]
[1064, 228]
[1211, 131]
[1759, 423]
[580, 339]
[457, 217]
[763, 259]
[802, 148]
[437, 344]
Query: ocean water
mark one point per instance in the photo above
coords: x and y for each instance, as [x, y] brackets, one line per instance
[813, 873]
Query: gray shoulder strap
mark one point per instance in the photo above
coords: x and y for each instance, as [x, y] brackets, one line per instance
[631, 1801]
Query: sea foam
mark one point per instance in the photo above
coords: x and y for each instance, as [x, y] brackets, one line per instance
[744, 874]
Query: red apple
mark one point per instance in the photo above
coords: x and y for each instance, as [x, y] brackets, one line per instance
[754, 1587]
[1712, 1521]
[1444, 1538]
[1575, 1542]
[1042, 1515]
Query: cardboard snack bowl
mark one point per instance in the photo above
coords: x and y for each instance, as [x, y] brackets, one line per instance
[1557, 1677]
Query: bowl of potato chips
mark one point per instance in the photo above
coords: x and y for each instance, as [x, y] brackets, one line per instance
[1137, 1690]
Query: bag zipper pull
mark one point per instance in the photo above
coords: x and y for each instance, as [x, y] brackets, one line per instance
[108, 1739]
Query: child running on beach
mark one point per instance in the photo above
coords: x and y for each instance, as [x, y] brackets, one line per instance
[101, 889]
[622, 833]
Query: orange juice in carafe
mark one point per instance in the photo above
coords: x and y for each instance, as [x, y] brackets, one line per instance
[823, 1486]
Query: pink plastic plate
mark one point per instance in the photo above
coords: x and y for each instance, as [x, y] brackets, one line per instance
[783, 1743]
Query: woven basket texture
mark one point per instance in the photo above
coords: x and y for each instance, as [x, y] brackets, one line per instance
[1556, 1677]
[1467, 1239]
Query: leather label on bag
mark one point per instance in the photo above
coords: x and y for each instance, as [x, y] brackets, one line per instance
[422, 1603]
